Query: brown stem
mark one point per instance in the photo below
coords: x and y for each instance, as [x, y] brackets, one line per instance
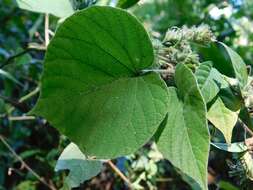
[25, 165]
[119, 173]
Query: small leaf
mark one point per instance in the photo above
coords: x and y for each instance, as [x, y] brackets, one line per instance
[93, 87]
[80, 168]
[231, 98]
[59, 8]
[208, 79]
[185, 138]
[126, 3]
[233, 147]
[222, 118]
[239, 66]
[226, 60]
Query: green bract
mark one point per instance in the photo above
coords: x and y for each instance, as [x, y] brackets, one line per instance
[92, 90]
[185, 138]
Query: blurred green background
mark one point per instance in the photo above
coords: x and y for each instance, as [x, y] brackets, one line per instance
[39, 144]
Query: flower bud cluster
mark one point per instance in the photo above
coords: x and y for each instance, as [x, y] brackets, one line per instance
[199, 34]
[177, 47]
[247, 93]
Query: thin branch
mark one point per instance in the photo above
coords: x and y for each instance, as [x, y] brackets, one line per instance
[36, 46]
[21, 118]
[25, 164]
[24, 98]
[51, 32]
[119, 173]
[161, 71]
[10, 59]
[46, 29]
[29, 95]
[13, 57]
[19, 105]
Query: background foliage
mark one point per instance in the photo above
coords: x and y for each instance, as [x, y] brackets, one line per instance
[40, 145]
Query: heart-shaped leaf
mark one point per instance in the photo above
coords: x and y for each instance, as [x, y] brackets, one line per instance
[59, 8]
[208, 79]
[222, 118]
[92, 90]
[80, 168]
[185, 138]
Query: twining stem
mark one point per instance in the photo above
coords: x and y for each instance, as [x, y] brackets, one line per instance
[50, 186]
[29, 95]
[46, 29]
[119, 173]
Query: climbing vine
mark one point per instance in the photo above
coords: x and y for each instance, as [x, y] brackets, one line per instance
[111, 88]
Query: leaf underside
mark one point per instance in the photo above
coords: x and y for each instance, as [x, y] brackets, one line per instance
[208, 79]
[222, 118]
[80, 168]
[185, 138]
[59, 8]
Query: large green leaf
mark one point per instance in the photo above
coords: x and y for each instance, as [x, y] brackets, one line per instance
[80, 168]
[208, 79]
[126, 3]
[92, 90]
[227, 61]
[185, 138]
[222, 118]
[59, 8]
